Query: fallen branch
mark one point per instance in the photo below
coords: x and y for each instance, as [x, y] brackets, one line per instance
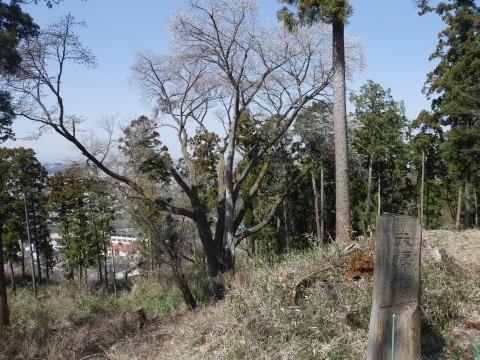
[304, 279]
[95, 355]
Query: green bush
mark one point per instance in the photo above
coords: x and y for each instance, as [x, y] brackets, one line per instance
[151, 295]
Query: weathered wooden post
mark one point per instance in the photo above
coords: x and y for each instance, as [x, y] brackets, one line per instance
[396, 290]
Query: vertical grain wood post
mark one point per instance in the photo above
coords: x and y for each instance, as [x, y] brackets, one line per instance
[396, 290]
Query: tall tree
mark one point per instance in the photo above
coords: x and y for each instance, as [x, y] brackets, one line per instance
[22, 185]
[335, 12]
[28, 181]
[15, 27]
[382, 131]
[315, 127]
[79, 215]
[223, 62]
[143, 153]
[426, 142]
[454, 85]
[5, 211]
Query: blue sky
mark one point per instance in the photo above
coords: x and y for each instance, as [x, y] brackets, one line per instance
[397, 43]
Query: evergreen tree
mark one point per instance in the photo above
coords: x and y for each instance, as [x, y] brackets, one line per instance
[315, 128]
[73, 204]
[15, 26]
[335, 12]
[381, 134]
[22, 185]
[454, 84]
[425, 143]
[5, 211]
[27, 182]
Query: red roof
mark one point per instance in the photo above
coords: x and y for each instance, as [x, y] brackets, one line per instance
[123, 247]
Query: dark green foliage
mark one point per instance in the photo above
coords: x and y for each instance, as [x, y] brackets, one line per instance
[143, 149]
[15, 26]
[380, 138]
[7, 115]
[383, 121]
[455, 79]
[312, 11]
[206, 156]
[82, 211]
[49, 3]
[455, 89]
[25, 182]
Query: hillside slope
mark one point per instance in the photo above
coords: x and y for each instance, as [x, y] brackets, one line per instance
[329, 317]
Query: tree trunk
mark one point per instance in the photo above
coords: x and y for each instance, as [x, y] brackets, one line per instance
[12, 279]
[286, 219]
[466, 216]
[459, 210]
[34, 284]
[219, 274]
[379, 210]
[286, 212]
[422, 187]
[105, 263]
[317, 211]
[183, 286]
[113, 269]
[342, 197]
[37, 246]
[427, 202]
[322, 205]
[476, 206]
[4, 315]
[228, 255]
[150, 252]
[23, 257]
[97, 244]
[369, 193]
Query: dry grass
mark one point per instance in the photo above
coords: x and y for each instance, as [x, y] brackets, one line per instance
[259, 319]
[70, 321]
[463, 246]
[451, 265]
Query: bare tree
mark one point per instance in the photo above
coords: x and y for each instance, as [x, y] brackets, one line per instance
[223, 66]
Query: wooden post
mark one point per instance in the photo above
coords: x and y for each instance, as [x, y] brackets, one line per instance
[396, 290]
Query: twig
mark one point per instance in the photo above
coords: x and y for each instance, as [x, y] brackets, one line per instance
[94, 355]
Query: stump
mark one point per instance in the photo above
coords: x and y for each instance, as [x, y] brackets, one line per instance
[396, 290]
[139, 317]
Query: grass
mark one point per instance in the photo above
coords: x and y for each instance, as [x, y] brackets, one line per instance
[258, 319]
[273, 327]
[445, 315]
[73, 320]
[153, 296]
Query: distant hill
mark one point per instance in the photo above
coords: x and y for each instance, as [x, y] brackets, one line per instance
[52, 168]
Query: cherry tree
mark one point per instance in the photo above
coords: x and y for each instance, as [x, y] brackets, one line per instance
[224, 69]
